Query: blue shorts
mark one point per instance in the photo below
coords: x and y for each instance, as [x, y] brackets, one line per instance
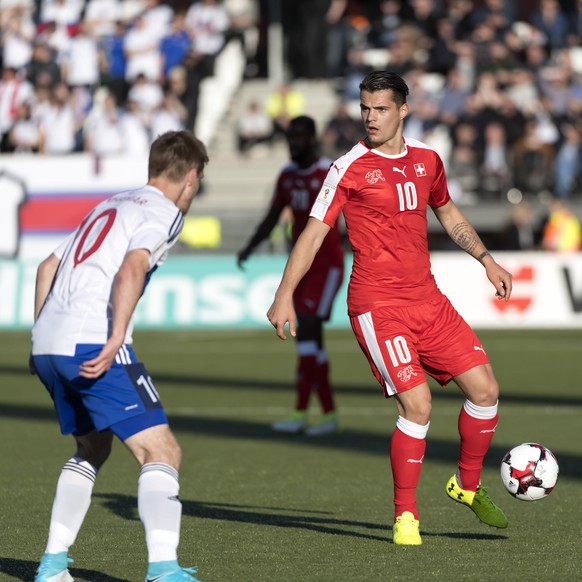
[123, 400]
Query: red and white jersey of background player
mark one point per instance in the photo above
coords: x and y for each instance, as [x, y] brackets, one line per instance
[384, 200]
[78, 308]
[298, 188]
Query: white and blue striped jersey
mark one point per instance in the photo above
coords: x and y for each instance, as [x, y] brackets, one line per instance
[78, 308]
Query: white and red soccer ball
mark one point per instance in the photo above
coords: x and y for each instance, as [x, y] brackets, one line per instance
[529, 471]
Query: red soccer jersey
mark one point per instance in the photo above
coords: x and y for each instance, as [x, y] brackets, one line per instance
[384, 200]
[298, 188]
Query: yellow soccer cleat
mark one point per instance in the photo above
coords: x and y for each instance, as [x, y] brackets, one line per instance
[406, 530]
[479, 503]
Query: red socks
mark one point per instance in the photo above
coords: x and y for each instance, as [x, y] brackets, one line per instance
[407, 448]
[306, 370]
[476, 427]
[313, 373]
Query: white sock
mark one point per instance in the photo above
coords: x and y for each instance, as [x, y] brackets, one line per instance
[412, 429]
[480, 412]
[160, 510]
[72, 500]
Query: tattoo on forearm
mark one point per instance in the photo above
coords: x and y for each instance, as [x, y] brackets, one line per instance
[465, 237]
[483, 255]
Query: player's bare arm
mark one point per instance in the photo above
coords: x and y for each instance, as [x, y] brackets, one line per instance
[301, 258]
[465, 237]
[263, 231]
[45, 277]
[127, 290]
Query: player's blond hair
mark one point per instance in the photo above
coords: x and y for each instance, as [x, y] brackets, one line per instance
[174, 153]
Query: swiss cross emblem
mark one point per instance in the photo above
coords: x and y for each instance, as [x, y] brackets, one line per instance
[420, 169]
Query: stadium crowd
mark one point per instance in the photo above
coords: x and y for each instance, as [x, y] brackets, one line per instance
[108, 76]
[497, 84]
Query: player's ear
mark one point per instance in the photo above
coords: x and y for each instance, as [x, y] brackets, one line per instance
[403, 110]
[192, 175]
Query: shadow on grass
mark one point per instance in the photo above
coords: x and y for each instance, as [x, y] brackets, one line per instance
[125, 506]
[25, 570]
[368, 389]
[349, 440]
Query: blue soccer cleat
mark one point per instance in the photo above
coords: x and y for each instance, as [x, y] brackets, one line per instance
[54, 568]
[169, 571]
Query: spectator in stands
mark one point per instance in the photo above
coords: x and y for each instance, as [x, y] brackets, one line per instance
[158, 17]
[13, 92]
[463, 169]
[114, 62]
[550, 19]
[453, 98]
[424, 17]
[495, 171]
[254, 128]
[244, 18]
[135, 130]
[459, 13]
[18, 32]
[497, 13]
[24, 135]
[207, 23]
[103, 132]
[175, 45]
[568, 166]
[443, 50]
[148, 94]
[56, 37]
[283, 104]
[532, 162]
[348, 26]
[385, 29]
[141, 52]
[43, 67]
[65, 14]
[561, 229]
[80, 67]
[169, 115]
[520, 234]
[58, 126]
[341, 132]
[575, 23]
[102, 16]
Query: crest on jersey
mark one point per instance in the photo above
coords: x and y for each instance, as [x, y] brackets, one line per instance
[373, 176]
[420, 170]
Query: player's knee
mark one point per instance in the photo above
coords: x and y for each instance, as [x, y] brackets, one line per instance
[95, 451]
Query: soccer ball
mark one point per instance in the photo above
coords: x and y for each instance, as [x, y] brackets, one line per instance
[529, 471]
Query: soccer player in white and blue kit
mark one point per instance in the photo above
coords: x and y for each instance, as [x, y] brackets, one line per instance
[86, 294]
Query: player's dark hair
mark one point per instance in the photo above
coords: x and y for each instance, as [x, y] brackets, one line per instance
[306, 122]
[174, 153]
[382, 80]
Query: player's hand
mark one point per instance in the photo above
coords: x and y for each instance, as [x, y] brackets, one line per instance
[501, 280]
[92, 369]
[279, 314]
[241, 258]
[31, 366]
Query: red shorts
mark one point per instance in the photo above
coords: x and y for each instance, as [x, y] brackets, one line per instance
[403, 343]
[316, 291]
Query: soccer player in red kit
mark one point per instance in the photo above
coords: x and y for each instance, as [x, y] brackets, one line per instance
[297, 188]
[405, 326]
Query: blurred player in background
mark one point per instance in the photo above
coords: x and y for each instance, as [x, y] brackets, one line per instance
[405, 326]
[297, 187]
[86, 294]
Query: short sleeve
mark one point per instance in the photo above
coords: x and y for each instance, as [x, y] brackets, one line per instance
[439, 191]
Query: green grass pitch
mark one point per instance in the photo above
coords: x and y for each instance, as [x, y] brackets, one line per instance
[259, 506]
